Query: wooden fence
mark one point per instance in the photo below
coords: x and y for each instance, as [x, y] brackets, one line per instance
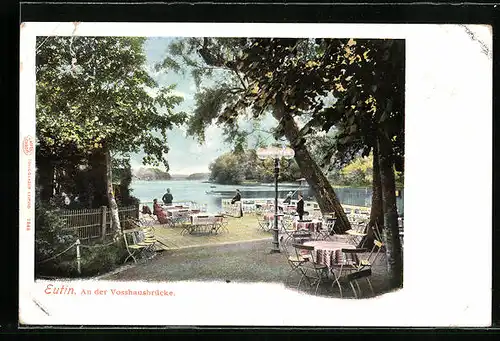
[91, 224]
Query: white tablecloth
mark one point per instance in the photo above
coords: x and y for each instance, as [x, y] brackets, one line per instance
[312, 225]
[204, 219]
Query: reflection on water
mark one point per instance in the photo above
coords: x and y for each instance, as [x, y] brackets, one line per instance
[212, 195]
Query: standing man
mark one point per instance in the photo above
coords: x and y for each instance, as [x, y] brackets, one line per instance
[300, 206]
[167, 198]
[237, 200]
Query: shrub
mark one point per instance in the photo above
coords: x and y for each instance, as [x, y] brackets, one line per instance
[51, 239]
[99, 259]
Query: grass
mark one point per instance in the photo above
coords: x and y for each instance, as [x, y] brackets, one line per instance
[240, 230]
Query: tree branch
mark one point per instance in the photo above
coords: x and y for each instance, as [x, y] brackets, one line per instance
[239, 77]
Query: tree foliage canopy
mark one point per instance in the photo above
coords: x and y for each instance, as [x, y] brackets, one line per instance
[95, 92]
[355, 86]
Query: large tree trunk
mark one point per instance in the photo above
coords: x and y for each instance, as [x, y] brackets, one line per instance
[324, 193]
[376, 212]
[391, 230]
[115, 218]
[102, 181]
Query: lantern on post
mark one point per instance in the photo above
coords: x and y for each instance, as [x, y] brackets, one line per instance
[275, 153]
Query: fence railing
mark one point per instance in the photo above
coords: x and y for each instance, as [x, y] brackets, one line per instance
[90, 224]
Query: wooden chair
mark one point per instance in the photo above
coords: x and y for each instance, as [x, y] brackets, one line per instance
[221, 223]
[378, 236]
[149, 234]
[326, 230]
[293, 261]
[354, 277]
[356, 234]
[372, 256]
[261, 221]
[148, 240]
[377, 232]
[301, 236]
[310, 270]
[133, 249]
[286, 229]
[187, 227]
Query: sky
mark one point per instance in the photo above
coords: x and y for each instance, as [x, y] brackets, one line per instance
[186, 156]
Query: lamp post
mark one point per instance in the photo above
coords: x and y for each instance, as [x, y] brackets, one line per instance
[275, 153]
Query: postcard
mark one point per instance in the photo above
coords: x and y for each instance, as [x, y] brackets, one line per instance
[249, 174]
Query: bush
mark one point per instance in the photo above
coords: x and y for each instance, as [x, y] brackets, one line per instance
[51, 239]
[97, 259]
[94, 260]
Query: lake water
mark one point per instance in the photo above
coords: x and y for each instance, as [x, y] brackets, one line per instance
[193, 190]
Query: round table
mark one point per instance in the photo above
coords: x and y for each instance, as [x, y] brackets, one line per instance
[330, 253]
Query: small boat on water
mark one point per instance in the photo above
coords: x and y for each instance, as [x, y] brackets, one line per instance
[213, 186]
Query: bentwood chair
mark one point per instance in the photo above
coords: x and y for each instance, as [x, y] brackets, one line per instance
[310, 270]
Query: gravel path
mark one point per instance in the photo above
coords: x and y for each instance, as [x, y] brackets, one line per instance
[242, 262]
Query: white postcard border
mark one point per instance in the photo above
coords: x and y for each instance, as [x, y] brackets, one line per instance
[447, 280]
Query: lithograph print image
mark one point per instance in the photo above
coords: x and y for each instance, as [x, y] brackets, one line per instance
[232, 160]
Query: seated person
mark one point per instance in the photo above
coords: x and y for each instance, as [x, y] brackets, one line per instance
[158, 212]
[146, 210]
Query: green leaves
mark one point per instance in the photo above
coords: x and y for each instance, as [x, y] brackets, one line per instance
[112, 99]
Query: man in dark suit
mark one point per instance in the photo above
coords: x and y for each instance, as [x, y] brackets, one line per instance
[300, 206]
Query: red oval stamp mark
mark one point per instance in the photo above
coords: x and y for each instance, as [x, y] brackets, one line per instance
[28, 145]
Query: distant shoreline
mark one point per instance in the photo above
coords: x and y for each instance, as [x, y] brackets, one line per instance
[256, 184]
